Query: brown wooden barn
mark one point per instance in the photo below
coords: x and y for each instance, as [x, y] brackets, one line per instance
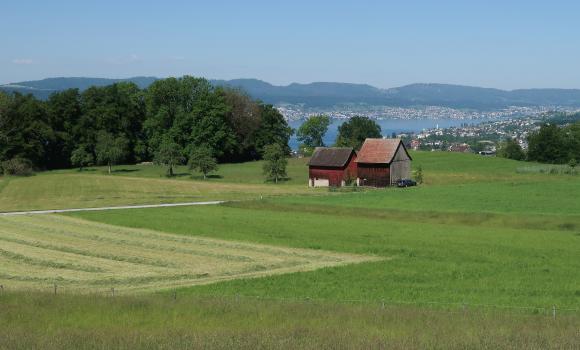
[382, 162]
[333, 166]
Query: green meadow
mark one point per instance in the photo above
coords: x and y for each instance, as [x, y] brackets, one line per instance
[476, 257]
[144, 184]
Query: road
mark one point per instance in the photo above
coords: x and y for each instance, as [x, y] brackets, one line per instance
[53, 211]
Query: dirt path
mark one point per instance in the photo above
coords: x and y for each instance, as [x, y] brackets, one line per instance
[54, 211]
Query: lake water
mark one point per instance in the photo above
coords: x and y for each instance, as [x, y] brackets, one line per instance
[388, 126]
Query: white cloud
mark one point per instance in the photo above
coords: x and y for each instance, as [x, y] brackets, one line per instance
[22, 61]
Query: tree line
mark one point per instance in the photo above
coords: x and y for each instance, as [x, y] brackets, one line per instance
[173, 121]
[550, 144]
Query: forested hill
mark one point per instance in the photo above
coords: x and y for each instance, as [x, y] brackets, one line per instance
[44, 88]
[328, 94]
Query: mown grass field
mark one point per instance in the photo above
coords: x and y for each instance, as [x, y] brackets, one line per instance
[40, 251]
[476, 257]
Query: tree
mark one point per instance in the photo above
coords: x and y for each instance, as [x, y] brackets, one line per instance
[24, 130]
[311, 132]
[273, 129]
[110, 149]
[510, 149]
[193, 112]
[201, 159]
[244, 118]
[355, 131]
[419, 174]
[275, 162]
[80, 157]
[547, 145]
[118, 109]
[63, 113]
[572, 135]
[169, 154]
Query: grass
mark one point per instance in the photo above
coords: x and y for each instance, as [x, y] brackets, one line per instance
[477, 233]
[152, 322]
[41, 250]
[245, 173]
[141, 185]
[450, 262]
[549, 169]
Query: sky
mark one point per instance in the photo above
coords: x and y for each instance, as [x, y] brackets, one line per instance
[502, 44]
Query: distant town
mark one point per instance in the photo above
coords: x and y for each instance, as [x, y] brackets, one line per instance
[480, 133]
[294, 112]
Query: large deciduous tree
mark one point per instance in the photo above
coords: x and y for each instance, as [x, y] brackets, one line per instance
[63, 112]
[24, 129]
[355, 131]
[547, 145]
[312, 131]
[273, 130]
[511, 149]
[244, 116]
[192, 111]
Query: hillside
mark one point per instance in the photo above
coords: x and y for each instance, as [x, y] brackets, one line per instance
[478, 256]
[320, 94]
[43, 88]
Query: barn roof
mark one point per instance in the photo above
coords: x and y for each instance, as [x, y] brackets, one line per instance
[379, 151]
[330, 156]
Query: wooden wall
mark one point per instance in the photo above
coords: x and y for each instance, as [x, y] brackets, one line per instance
[375, 175]
[335, 175]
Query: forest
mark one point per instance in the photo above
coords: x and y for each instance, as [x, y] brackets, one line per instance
[122, 123]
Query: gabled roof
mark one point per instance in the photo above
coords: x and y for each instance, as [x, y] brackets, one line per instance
[380, 151]
[330, 156]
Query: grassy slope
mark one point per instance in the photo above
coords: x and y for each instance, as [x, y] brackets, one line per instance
[141, 185]
[469, 237]
[430, 262]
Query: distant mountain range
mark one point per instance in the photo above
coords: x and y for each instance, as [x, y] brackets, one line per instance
[330, 94]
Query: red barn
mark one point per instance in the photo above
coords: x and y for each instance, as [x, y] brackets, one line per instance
[331, 167]
[382, 162]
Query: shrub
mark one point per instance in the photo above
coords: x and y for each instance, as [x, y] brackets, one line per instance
[17, 167]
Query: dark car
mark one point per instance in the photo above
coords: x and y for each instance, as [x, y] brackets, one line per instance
[406, 183]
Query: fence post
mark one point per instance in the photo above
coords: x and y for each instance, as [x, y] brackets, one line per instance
[383, 304]
[112, 291]
[554, 311]
[55, 289]
[174, 294]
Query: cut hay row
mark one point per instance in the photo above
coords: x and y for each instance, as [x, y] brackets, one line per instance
[82, 256]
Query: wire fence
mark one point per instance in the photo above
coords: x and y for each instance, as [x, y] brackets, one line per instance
[446, 306]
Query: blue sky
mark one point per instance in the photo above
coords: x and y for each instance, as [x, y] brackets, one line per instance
[504, 44]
